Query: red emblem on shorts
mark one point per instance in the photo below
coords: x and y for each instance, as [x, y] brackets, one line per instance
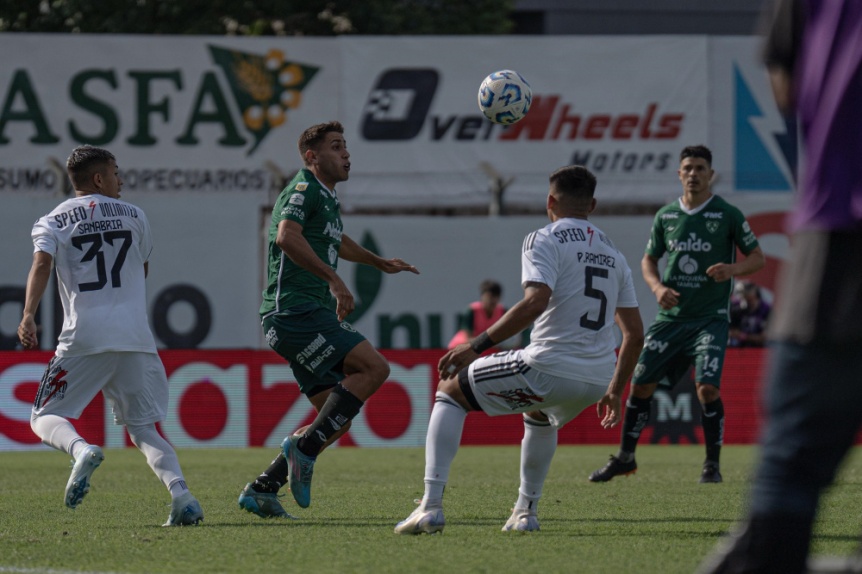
[55, 386]
[518, 398]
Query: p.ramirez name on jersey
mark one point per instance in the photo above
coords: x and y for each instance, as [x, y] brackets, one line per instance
[597, 259]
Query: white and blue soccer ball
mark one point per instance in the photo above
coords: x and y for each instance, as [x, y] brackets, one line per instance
[505, 97]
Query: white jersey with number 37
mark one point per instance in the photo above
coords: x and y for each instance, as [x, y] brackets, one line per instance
[589, 279]
[99, 246]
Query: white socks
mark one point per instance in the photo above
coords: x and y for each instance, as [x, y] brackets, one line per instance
[57, 432]
[441, 445]
[161, 457]
[537, 451]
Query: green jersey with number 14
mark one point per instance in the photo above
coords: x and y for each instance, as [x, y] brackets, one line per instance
[310, 204]
[694, 240]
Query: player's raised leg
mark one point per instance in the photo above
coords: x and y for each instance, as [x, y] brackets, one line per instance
[366, 370]
[49, 419]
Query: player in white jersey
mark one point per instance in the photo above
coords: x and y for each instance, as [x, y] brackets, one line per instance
[100, 246]
[576, 286]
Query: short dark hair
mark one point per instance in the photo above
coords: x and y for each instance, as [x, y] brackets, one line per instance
[700, 151]
[312, 137]
[574, 182]
[490, 286]
[85, 161]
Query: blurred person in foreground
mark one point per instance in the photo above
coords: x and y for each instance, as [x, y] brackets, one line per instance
[303, 316]
[813, 52]
[700, 234]
[577, 285]
[100, 247]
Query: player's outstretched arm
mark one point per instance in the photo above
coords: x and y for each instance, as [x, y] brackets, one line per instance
[352, 251]
[37, 281]
[628, 319]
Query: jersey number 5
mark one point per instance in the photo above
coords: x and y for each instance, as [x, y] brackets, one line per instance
[594, 293]
[96, 241]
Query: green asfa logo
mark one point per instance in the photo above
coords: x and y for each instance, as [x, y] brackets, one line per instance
[264, 87]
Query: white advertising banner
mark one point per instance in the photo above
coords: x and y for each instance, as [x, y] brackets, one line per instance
[224, 113]
[180, 113]
[622, 106]
[753, 145]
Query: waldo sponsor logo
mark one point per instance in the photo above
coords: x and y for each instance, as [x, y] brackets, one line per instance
[693, 243]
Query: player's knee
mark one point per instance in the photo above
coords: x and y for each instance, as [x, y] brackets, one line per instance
[369, 363]
[137, 433]
[644, 391]
[449, 386]
[707, 393]
[379, 371]
[536, 417]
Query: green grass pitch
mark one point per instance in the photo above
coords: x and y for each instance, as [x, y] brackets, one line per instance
[659, 520]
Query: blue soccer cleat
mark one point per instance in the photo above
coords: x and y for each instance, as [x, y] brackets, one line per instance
[300, 468]
[185, 511]
[79, 482]
[264, 504]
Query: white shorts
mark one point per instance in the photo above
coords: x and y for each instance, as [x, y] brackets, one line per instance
[503, 384]
[134, 384]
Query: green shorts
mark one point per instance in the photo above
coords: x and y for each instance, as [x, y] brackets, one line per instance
[670, 348]
[314, 342]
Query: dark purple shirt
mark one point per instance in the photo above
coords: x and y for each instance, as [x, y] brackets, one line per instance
[820, 43]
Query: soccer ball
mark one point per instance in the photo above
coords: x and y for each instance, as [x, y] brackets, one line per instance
[504, 97]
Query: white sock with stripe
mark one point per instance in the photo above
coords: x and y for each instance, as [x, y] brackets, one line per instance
[441, 446]
[537, 451]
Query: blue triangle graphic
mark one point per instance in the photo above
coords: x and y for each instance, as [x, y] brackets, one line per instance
[756, 170]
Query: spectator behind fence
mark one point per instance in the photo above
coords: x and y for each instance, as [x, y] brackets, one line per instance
[481, 314]
[749, 314]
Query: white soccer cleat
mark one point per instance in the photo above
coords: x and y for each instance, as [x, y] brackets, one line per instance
[79, 482]
[185, 511]
[422, 520]
[522, 520]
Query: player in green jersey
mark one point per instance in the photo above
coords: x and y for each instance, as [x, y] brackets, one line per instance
[337, 368]
[700, 234]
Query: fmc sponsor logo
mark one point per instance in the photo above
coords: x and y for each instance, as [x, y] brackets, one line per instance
[399, 108]
[263, 89]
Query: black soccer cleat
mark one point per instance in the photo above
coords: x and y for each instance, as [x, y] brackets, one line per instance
[710, 474]
[614, 467]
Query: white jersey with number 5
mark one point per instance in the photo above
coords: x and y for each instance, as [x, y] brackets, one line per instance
[99, 246]
[589, 279]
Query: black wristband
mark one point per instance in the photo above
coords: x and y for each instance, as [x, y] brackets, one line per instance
[481, 343]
